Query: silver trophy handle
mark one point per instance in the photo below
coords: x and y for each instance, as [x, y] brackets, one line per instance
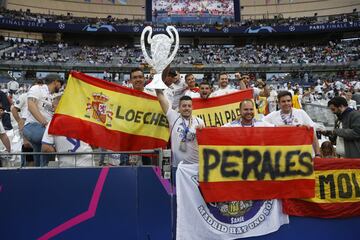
[142, 43]
[168, 30]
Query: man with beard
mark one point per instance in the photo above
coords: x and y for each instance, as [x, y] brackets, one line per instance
[137, 80]
[289, 116]
[204, 91]
[183, 127]
[350, 129]
[246, 118]
[224, 87]
[192, 91]
[40, 112]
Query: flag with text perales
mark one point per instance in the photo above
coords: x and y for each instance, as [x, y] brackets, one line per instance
[110, 116]
[241, 163]
[337, 191]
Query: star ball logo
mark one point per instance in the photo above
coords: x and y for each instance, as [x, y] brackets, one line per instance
[61, 25]
[225, 30]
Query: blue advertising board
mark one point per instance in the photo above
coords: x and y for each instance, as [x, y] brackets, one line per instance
[127, 203]
[61, 27]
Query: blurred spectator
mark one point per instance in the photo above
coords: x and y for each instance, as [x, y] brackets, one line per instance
[350, 129]
[327, 150]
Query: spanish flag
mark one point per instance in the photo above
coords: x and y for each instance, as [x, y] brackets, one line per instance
[337, 191]
[220, 110]
[108, 115]
[255, 163]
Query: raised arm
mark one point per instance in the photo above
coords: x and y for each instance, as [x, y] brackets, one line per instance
[164, 103]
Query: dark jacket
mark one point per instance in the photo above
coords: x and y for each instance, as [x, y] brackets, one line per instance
[350, 131]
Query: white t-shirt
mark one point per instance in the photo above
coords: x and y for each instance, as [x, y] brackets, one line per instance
[21, 104]
[357, 86]
[223, 91]
[175, 92]
[256, 123]
[352, 104]
[300, 117]
[192, 94]
[256, 92]
[44, 102]
[64, 144]
[2, 129]
[183, 151]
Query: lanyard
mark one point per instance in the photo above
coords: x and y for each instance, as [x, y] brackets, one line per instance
[186, 128]
[287, 120]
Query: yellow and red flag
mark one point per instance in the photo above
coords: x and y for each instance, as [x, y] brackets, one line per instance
[217, 111]
[337, 191]
[255, 163]
[108, 115]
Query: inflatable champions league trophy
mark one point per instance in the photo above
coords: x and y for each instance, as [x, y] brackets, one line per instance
[160, 46]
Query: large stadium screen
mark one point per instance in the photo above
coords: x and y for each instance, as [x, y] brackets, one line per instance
[192, 11]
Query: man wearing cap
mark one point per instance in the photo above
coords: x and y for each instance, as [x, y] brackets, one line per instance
[176, 87]
[40, 112]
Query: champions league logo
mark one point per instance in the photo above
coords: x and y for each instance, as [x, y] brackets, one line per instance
[235, 217]
[99, 109]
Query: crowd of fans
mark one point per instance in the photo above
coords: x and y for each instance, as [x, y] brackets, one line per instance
[265, 94]
[333, 52]
[222, 9]
[69, 18]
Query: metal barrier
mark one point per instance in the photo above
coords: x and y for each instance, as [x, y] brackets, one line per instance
[155, 157]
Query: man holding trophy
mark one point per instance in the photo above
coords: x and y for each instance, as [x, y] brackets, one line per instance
[182, 124]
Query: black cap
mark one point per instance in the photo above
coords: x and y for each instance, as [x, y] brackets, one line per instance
[172, 73]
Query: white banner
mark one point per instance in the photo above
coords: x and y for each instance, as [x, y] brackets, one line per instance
[219, 221]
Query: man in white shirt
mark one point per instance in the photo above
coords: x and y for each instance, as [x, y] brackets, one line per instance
[55, 143]
[183, 125]
[289, 116]
[224, 87]
[204, 91]
[192, 91]
[137, 81]
[40, 112]
[19, 111]
[260, 88]
[272, 99]
[246, 118]
[351, 102]
[177, 88]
